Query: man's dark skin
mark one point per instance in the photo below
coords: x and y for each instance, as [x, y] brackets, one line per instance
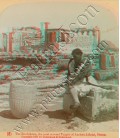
[77, 58]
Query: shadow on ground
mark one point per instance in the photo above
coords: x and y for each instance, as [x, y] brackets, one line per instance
[60, 114]
[7, 114]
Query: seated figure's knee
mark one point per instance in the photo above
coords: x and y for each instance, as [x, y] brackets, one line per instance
[73, 90]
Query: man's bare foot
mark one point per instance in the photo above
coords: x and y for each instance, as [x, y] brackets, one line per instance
[70, 117]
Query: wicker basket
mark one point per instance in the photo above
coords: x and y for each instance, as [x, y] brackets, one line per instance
[22, 98]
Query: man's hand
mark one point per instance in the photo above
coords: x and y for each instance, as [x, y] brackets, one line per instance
[107, 87]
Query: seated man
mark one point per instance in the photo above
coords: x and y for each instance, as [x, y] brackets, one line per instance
[83, 82]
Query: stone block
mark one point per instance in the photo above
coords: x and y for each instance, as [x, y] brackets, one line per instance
[96, 105]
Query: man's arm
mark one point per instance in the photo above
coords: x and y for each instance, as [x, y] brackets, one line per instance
[98, 85]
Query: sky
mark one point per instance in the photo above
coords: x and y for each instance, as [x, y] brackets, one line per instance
[62, 14]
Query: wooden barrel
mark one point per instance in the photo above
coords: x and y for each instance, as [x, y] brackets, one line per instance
[22, 98]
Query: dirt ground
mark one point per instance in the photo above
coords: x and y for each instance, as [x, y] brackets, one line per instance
[52, 120]
[55, 120]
